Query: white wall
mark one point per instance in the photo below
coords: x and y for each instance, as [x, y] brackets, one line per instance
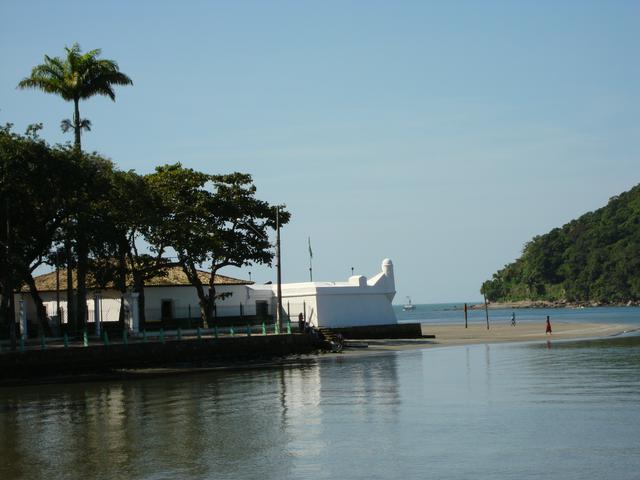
[110, 305]
[185, 299]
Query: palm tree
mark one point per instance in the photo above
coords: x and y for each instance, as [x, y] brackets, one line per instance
[77, 77]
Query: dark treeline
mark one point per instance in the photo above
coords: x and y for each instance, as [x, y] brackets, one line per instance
[595, 258]
[61, 206]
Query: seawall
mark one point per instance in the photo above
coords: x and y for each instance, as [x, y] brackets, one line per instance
[60, 361]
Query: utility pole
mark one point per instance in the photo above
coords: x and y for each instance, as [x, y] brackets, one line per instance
[58, 286]
[486, 310]
[279, 271]
[465, 316]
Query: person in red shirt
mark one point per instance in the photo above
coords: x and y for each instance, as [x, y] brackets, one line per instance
[548, 326]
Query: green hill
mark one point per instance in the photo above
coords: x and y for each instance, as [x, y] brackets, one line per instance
[595, 258]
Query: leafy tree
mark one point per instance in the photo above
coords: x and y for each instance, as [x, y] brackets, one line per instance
[122, 218]
[211, 219]
[35, 179]
[77, 76]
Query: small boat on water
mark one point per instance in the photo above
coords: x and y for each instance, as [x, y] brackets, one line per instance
[408, 305]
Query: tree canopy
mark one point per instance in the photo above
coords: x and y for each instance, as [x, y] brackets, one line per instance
[77, 76]
[210, 219]
[57, 196]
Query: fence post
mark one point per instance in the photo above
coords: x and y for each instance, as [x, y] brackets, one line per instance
[215, 331]
[144, 335]
[264, 328]
[125, 337]
[231, 332]
[21, 344]
[65, 338]
[105, 338]
[179, 334]
[248, 330]
[199, 333]
[85, 338]
[289, 327]
[162, 334]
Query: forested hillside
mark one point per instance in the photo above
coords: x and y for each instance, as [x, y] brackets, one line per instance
[595, 258]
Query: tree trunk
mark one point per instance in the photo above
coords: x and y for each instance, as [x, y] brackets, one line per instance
[76, 123]
[122, 282]
[40, 310]
[138, 287]
[211, 304]
[83, 264]
[204, 312]
[72, 320]
[203, 300]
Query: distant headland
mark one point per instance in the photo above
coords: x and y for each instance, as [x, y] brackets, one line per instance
[591, 261]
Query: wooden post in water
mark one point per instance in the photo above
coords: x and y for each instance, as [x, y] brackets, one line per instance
[486, 310]
[465, 316]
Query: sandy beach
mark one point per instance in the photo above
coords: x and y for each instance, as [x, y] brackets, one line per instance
[448, 335]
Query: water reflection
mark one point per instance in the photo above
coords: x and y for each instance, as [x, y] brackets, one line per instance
[249, 424]
[397, 414]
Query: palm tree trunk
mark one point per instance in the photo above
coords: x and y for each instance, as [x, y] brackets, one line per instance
[76, 123]
[81, 273]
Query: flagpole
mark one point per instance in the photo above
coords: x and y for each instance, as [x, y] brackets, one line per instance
[310, 265]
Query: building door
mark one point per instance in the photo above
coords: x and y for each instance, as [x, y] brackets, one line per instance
[262, 308]
[166, 310]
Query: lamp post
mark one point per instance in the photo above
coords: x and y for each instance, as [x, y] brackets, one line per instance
[278, 271]
[8, 279]
[278, 265]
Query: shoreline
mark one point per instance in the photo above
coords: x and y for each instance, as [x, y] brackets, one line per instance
[546, 304]
[447, 335]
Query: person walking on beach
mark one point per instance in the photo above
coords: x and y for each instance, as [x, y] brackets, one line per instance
[548, 326]
[513, 319]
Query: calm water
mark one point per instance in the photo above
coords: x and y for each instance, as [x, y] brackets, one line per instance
[567, 410]
[453, 313]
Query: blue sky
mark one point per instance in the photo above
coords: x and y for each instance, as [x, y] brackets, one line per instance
[443, 135]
